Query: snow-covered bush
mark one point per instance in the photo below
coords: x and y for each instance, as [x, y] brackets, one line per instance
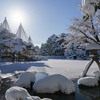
[40, 75]
[25, 79]
[72, 46]
[76, 50]
[87, 82]
[15, 47]
[54, 83]
[17, 93]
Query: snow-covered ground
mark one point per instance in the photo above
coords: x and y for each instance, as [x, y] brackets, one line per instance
[68, 68]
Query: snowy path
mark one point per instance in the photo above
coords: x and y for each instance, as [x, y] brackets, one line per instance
[68, 68]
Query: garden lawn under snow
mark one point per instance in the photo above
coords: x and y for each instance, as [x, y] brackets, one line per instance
[68, 68]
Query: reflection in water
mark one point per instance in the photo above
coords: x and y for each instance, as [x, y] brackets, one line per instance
[90, 93]
[58, 96]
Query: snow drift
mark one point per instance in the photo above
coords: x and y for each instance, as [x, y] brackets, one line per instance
[88, 81]
[54, 83]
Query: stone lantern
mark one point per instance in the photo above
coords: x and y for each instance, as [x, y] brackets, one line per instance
[93, 49]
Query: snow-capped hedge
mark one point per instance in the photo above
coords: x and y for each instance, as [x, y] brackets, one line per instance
[25, 79]
[54, 83]
[87, 82]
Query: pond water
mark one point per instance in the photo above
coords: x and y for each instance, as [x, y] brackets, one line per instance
[80, 94]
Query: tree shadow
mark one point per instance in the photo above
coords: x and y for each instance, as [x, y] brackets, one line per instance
[19, 66]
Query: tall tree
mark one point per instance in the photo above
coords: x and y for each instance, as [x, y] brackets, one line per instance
[89, 26]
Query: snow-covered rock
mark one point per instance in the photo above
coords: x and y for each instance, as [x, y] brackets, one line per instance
[88, 82]
[25, 79]
[97, 74]
[40, 75]
[54, 83]
[17, 93]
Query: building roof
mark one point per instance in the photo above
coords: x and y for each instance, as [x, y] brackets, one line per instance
[93, 46]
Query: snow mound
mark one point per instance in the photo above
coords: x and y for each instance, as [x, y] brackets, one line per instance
[54, 83]
[25, 79]
[17, 93]
[40, 75]
[97, 74]
[88, 81]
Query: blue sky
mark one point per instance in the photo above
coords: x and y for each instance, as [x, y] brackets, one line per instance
[42, 18]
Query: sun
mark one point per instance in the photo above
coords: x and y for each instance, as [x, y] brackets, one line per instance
[17, 16]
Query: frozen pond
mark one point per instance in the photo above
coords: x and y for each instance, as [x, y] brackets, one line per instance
[69, 68]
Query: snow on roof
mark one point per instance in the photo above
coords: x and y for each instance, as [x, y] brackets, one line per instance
[93, 46]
